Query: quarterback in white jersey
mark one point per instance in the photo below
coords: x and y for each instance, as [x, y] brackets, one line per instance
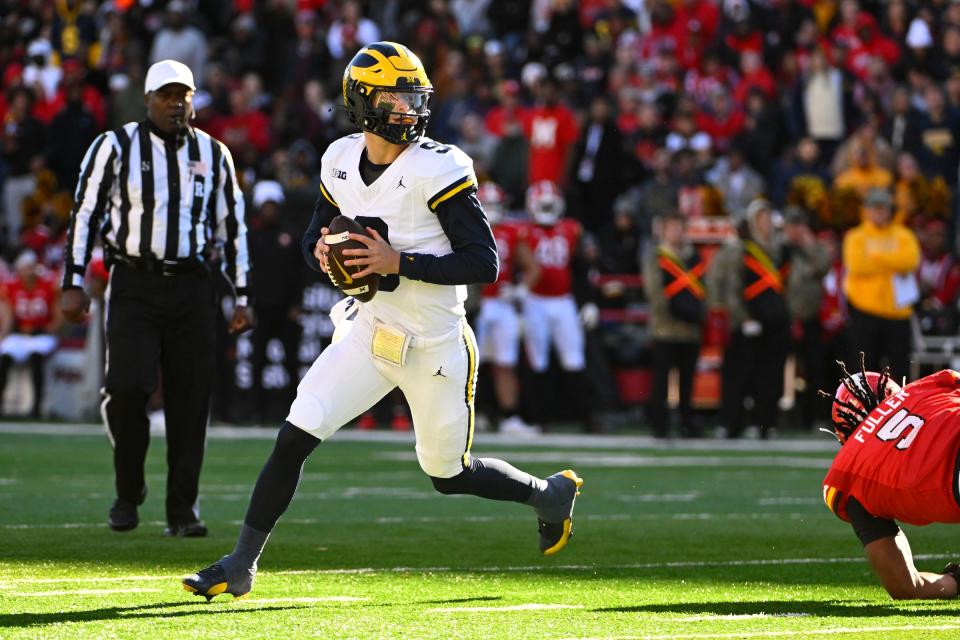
[429, 238]
[401, 205]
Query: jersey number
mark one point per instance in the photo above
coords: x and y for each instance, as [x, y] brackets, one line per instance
[435, 147]
[553, 252]
[900, 423]
[392, 281]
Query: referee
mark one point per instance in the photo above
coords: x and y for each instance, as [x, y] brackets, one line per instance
[161, 194]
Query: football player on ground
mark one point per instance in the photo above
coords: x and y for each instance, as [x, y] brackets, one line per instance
[429, 238]
[899, 459]
[550, 314]
[498, 323]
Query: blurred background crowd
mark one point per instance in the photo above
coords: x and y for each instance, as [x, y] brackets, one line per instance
[723, 111]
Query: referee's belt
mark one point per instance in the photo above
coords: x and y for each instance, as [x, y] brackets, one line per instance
[157, 266]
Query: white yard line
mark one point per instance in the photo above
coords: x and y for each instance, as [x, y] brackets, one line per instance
[11, 583]
[660, 497]
[616, 517]
[85, 592]
[779, 634]
[626, 460]
[740, 616]
[530, 606]
[303, 599]
[573, 441]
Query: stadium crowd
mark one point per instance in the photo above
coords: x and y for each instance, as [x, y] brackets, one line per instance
[771, 122]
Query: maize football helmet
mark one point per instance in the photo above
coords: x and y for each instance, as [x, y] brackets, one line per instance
[386, 91]
[545, 202]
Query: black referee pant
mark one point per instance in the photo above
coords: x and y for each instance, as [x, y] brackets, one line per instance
[880, 339]
[166, 323]
[668, 354]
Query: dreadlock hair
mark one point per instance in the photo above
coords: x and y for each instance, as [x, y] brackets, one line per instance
[852, 414]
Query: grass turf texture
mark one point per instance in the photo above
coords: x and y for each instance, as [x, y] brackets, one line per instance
[669, 543]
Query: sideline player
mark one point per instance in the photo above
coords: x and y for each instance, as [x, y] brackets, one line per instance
[429, 239]
[899, 460]
[550, 315]
[498, 323]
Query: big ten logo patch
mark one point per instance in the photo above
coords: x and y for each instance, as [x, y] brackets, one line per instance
[316, 326]
[339, 174]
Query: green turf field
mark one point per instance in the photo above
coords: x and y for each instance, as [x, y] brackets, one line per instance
[669, 543]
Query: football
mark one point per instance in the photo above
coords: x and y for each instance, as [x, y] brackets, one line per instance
[342, 277]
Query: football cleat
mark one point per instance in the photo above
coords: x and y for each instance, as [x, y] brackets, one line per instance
[555, 535]
[212, 581]
[195, 529]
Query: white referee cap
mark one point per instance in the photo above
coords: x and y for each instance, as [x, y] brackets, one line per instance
[168, 72]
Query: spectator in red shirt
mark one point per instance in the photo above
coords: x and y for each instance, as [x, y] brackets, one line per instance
[509, 108]
[245, 126]
[754, 75]
[74, 78]
[28, 317]
[704, 13]
[551, 130]
[723, 121]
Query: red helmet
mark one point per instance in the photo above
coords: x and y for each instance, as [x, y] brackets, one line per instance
[843, 425]
[545, 202]
[493, 200]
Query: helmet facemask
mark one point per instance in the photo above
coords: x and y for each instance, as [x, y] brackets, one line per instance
[545, 202]
[396, 114]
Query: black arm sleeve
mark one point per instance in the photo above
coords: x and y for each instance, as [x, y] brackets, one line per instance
[474, 258]
[323, 213]
[869, 528]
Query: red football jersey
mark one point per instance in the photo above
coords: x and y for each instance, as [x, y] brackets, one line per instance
[902, 462]
[32, 308]
[551, 132]
[506, 235]
[553, 248]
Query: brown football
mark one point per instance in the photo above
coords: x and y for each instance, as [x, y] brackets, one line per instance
[363, 289]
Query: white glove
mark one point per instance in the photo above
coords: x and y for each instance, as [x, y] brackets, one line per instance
[589, 315]
[516, 293]
[751, 328]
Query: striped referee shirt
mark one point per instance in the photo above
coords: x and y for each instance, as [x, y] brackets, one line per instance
[158, 199]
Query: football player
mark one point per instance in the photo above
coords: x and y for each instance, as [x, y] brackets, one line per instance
[550, 313]
[899, 459]
[498, 323]
[429, 238]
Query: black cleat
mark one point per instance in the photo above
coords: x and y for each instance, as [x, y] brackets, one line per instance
[555, 535]
[212, 581]
[195, 529]
[123, 516]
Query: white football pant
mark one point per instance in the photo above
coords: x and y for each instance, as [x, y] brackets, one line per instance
[553, 319]
[439, 381]
[498, 332]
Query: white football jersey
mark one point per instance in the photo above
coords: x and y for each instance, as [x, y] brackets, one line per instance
[401, 205]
